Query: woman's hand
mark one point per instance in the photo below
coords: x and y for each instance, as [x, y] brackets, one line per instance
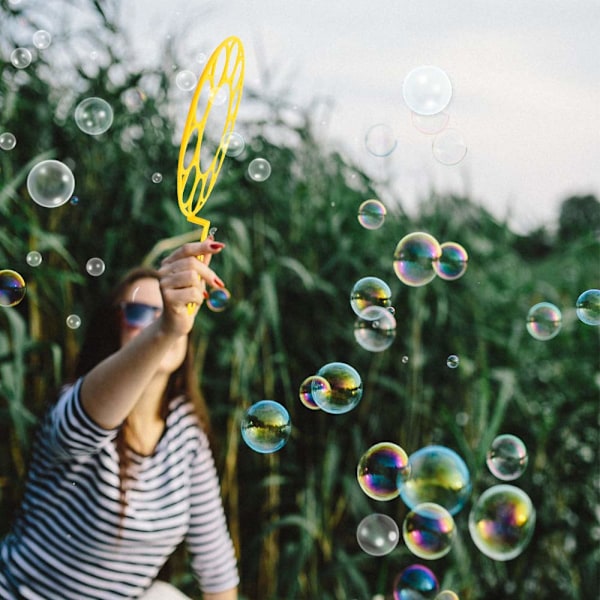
[184, 276]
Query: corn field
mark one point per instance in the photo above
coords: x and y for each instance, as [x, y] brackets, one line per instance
[294, 250]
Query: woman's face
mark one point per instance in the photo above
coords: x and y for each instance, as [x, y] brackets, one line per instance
[141, 304]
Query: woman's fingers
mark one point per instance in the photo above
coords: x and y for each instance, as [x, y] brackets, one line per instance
[195, 249]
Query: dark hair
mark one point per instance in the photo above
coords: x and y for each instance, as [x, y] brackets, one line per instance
[103, 338]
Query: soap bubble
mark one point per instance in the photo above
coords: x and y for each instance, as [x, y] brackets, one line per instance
[344, 390]
[428, 531]
[449, 147]
[502, 521]
[544, 321]
[371, 214]
[42, 39]
[588, 307]
[235, 144]
[95, 266]
[414, 258]
[375, 329]
[73, 322]
[430, 124]
[218, 299]
[416, 582]
[7, 140]
[157, 177]
[33, 258]
[21, 58]
[266, 426]
[452, 263]
[380, 140]
[447, 595]
[439, 475]
[12, 287]
[50, 183]
[427, 90]
[507, 457]
[186, 80]
[94, 116]
[313, 382]
[377, 534]
[452, 361]
[259, 169]
[74, 201]
[218, 96]
[370, 291]
[380, 470]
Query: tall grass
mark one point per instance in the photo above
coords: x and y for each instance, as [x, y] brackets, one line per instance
[294, 250]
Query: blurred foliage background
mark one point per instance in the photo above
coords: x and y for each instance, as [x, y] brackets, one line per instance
[295, 249]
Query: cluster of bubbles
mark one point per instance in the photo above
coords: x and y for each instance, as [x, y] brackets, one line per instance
[427, 91]
[375, 326]
[544, 319]
[419, 258]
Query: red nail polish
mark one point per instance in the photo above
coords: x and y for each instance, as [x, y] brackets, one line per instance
[219, 282]
[206, 295]
[216, 246]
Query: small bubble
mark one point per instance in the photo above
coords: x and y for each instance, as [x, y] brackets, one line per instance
[157, 177]
[218, 299]
[234, 143]
[42, 39]
[74, 200]
[259, 169]
[34, 258]
[95, 266]
[186, 80]
[380, 140]
[449, 147]
[371, 214]
[21, 58]
[73, 322]
[452, 361]
[7, 141]
[94, 116]
[404, 359]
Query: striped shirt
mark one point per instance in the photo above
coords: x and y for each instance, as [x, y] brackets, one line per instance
[71, 540]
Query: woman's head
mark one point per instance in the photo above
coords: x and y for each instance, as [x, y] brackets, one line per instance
[134, 303]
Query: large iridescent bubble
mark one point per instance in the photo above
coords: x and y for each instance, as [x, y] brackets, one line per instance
[381, 469]
[266, 426]
[452, 263]
[370, 291]
[12, 287]
[507, 457]
[371, 214]
[344, 391]
[377, 534]
[544, 321]
[416, 582]
[439, 475]
[502, 522]
[428, 531]
[587, 307]
[414, 258]
[375, 329]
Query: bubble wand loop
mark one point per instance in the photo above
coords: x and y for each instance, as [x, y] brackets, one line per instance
[194, 185]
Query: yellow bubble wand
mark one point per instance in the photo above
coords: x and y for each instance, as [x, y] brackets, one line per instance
[224, 70]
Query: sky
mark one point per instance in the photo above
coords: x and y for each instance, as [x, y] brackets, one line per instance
[525, 80]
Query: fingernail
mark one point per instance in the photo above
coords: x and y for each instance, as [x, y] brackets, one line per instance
[219, 282]
[217, 246]
[206, 295]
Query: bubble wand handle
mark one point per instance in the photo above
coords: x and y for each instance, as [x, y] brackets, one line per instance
[224, 70]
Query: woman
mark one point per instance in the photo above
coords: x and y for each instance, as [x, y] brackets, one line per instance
[122, 470]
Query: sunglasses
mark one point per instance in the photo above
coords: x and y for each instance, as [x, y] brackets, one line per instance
[136, 314]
